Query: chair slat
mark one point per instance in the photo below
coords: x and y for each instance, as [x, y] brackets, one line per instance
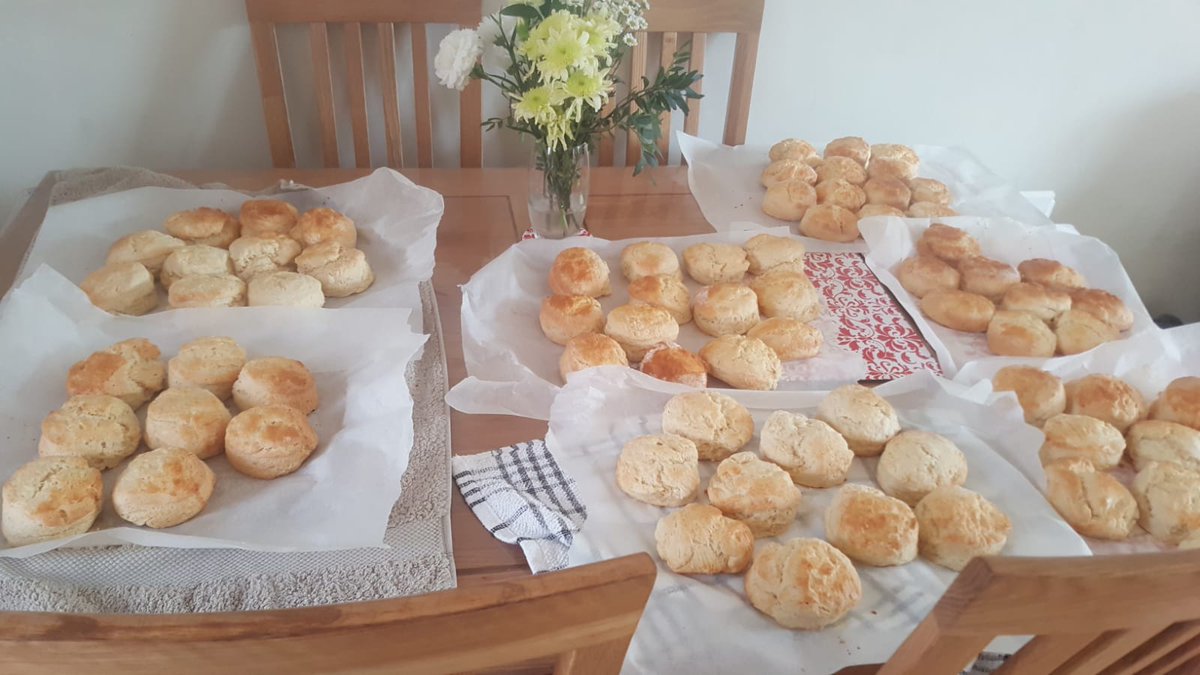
[464, 12]
[1174, 661]
[706, 16]
[470, 117]
[737, 116]
[318, 34]
[391, 97]
[1109, 647]
[356, 82]
[422, 117]
[691, 121]
[606, 154]
[928, 650]
[1044, 653]
[637, 70]
[1155, 648]
[670, 42]
[270, 77]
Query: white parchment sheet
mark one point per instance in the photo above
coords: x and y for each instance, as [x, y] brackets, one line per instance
[725, 182]
[512, 367]
[704, 624]
[340, 498]
[891, 240]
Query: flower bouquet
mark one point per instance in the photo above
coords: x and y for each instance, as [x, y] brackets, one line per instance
[556, 62]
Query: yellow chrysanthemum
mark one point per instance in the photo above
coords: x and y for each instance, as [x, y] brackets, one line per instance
[535, 105]
[588, 88]
[564, 52]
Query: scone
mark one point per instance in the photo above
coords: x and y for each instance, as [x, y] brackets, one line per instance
[792, 148]
[871, 527]
[929, 210]
[187, 419]
[266, 216]
[830, 222]
[805, 584]
[758, 493]
[269, 441]
[588, 351]
[791, 339]
[1042, 302]
[887, 192]
[698, 539]
[785, 170]
[163, 488]
[956, 525]
[809, 450]
[196, 259]
[769, 253]
[742, 362]
[987, 277]
[148, 247]
[786, 294]
[1081, 437]
[1106, 398]
[672, 363]
[563, 317]
[717, 424]
[205, 226]
[122, 288]
[725, 309]
[853, 147]
[870, 210]
[841, 193]
[929, 190]
[789, 200]
[638, 328]
[579, 271]
[1161, 441]
[958, 310]
[132, 370]
[649, 258]
[102, 430]
[1012, 333]
[285, 289]
[209, 363]
[948, 243]
[1179, 402]
[265, 252]
[715, 263]
[915, 463]
[665, 292]
[1077, 332]
[223, 290]
[1168, 501]
[1051, 274]
[890, 160]
[50, 498]
[275, 381]
[840, 168]
[341, 270]
[1040, 394]
[1091, 501]
[661, 470]
[1104, 306]
[860, 415]
[322, 225]
[923, 274]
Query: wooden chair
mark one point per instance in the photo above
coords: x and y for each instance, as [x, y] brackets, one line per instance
[1111, 615]
[586, 616]
[265, 15]
[679, 21]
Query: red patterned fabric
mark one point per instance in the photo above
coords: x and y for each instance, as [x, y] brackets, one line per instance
[871, 322]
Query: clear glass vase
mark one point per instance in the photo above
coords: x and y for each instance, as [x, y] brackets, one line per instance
[558, 190]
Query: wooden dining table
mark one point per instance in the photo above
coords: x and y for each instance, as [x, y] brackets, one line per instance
[485, 213]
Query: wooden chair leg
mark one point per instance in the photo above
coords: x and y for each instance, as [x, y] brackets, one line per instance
[602, 659]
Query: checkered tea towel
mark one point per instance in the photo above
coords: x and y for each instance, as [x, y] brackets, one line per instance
[522, 496]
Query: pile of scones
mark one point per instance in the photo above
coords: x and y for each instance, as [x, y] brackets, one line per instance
[755, 325]
[187, 421]
[920, 507]
[269, 255]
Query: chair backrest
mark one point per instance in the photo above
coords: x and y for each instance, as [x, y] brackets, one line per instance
[265, 15]
[586, 616]
[1110, 614]
[680, 21]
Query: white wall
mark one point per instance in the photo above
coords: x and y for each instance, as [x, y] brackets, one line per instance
[1096, 99]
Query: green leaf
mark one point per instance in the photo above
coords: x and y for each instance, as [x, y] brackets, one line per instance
[522, 11]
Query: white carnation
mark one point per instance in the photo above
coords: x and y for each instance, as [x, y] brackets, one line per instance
[455, 58]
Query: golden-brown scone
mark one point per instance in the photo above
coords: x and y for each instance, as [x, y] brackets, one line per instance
[987, 277]
[132, 370]
[830, 222]
[809, 450]
[672, 363]
[187, 419]
[210, 363]
[791, 339]
[267, 252]
[956, 525]
[666, 292]
[792, 148]
[342, 271]
[758, 493]
[789, 200]
[1104, 306]
[869, 210]
[914, 463]
[661, 470]
[929, 210]
[742, 362]
[205, 226]
[725, 309]
[122, 288]
[274, 380]
[860, 415]
[840, 168]
[853, 147]
[804, 584]
[785, 170]
[841, 193]
[100, 429]
[1106, 398]
[871, 527]
[929, 190]
[1168, 501]
[1045, 303]
[1051, 274]
[148, 247]
[923, 274]
[50, 498]
[1081, 437]
[163, 488]
[266, 216]
[717, 424]
[1012, 333]
[888, 192]
[698, 539]
[889, 160]
[563, 317]
[284, 289]
[1077, 332]
[769, 253]
[321, 225]
[715, 263]
[269, 441]
[649, 258]
[948, 243]
[638, 328]
[1162, 441]
[192, 260]
[223, 290]
[1040, 394]
[579, 271]
[588, 351]
[786, 294]
[1179, 402]
[1091, 501]
[959, 310]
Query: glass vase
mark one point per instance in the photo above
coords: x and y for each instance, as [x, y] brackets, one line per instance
[558, 190]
